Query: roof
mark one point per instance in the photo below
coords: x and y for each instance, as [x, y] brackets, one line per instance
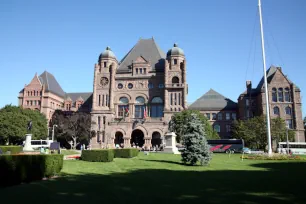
[75, 96]
[270, 72]
[213, 100]
[149, 50]
[51, 84]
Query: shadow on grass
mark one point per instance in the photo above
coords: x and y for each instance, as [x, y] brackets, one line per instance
[281, 183]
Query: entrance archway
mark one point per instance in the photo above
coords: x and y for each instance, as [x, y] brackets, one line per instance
[137, 138]
[156, 139]
[118, 138]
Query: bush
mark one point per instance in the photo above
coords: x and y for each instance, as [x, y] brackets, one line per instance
[126, 153]
[103, 155]
[274, 157]
[12, 149]
[16, 169]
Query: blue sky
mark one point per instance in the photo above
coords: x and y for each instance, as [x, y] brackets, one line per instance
[221, 40]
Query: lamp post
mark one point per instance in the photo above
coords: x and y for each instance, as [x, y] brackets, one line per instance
[53, 132]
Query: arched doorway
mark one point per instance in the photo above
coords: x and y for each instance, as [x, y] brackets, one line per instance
[156, 139]
[118, 138]
[137, 138]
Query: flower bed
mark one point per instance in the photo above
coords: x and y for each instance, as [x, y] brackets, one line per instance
[273, 157]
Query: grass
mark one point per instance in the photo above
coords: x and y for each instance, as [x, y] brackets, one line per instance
[161, 178]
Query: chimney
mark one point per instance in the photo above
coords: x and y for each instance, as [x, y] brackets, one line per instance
[249, 85]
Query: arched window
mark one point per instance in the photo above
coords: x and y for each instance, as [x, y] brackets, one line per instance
[123, 108]
[280, 95]
[140, 107]
[287, 95]
[28, 93]
[288, 110]
[274, 96]
[157, 107]
[175, 80]
[217, 128]
[276, 110]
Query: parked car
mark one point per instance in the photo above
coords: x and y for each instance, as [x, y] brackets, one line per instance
[246, 150]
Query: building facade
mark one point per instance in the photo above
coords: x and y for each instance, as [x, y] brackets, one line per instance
[219, 110]
[134, 99]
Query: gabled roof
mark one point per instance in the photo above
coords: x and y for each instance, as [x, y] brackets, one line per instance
[213, 100]
[75, 96]
[149, 50]
[51, 84]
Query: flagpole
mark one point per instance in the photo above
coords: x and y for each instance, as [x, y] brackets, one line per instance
[265, 79]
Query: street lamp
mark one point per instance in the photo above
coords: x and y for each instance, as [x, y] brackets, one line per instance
[53, 132]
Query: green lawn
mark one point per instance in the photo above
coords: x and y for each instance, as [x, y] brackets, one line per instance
[69, 152]
[161, 178]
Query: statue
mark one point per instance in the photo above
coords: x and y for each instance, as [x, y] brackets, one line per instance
[29, 126]
[171, 125]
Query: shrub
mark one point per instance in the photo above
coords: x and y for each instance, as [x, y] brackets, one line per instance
[103, 155]
[12, 149]
[126, 153]
[16, 169]
[274, 157]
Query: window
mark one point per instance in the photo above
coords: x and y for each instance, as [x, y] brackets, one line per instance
[103, 100]
[287, 95]
[104, 64]
[160, 86]
[107, 100]
[175, 80]
[288, 110]
[175, 99]
[136, 70]
[99, 103]
[234, 116]
[157, 107]
[28, 93]
[139, 111]
[227, 116]
[208, 116]
[214, 116]
[150, 86]
[28, 103]
[280, 95]
[124, 100]
[276, 110]
[140, 100]
[175, 61]
[99, 122]
[247, 102]
[179, 98]
[228, 128]
[171, 99]
[274, 96]
[123, 110]
[217, 128]
[289, 124]
[120, 86]
[35, 103]
[219, 116]
[130, 85]
[140, 70]
[144, 70]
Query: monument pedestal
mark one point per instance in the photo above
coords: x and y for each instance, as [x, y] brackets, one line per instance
[27, 145]
[171, 143]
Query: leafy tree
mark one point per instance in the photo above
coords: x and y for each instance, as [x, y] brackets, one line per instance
[179, 119]
[196, 147]
[72, 126]
[254, 132]
[14, 121]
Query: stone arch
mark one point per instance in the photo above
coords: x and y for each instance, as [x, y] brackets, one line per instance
[141, 94]
[118, 130]
[175, 80]
[161, 132]
[123, 95]
[137, 138]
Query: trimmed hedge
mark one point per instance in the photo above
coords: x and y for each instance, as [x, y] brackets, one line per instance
[126, 153]
[12, 149]
[103, 155]
[273, 157]
[16, 169]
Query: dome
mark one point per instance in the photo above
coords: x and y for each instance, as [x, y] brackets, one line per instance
[175, 51]
[108, 53]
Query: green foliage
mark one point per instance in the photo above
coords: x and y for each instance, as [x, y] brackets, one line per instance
[254, 132]
[178, 121]
[12, 149]
[72, 126]
[195, 145]
[126, 153]
[16, 169]
[103, 155]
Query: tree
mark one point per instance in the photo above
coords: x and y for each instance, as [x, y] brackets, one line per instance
[72, 126]
[254, 131]
[179, 119]
[13, 124]
[195, 145]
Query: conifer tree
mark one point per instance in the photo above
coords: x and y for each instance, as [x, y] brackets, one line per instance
[196, 147]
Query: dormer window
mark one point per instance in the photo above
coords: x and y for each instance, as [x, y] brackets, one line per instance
[175, 61]
[104, 64]
[140, 70]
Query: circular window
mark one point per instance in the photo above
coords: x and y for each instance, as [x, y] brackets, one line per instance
[120, 86]
[130, 85]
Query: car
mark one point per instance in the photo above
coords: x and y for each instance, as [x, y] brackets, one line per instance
[246, 150]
